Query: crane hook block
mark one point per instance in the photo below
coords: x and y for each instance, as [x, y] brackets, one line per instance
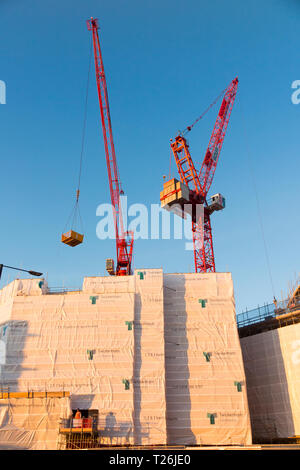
[72, 238]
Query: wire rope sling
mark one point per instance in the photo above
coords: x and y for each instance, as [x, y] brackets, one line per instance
[72, 237]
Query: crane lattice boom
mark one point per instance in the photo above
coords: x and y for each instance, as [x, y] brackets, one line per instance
[211, 158]
[124, 240]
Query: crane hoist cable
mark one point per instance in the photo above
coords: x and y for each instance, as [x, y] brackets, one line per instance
[255, 190]
[73, 238]
[84, 122]
[189, 128]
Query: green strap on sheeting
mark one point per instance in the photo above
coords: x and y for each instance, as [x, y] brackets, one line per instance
[238, 386]
[129, 324]
[211, 416]
[141, 275]
[203, 302]
[4, 329]
[90, 354]
[93, 298]
[41, 283]
[207, 356]
[126, 383]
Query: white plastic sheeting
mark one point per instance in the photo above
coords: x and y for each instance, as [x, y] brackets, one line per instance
[31, 423]
[78, 342]
[157, 355]
[149, 363]
[272, 366]
[23, 287]
[204, 367]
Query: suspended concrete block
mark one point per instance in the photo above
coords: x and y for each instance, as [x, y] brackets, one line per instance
[72, 238]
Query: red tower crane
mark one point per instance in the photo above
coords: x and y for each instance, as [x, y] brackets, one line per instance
[194, 186]
[124, 240]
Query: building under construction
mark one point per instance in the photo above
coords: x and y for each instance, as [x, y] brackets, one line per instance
[146, 359]
[270, 341]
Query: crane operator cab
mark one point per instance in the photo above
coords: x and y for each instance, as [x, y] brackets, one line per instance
[216, 203]
[110, 266]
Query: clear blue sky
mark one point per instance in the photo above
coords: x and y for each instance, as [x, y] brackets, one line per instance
[165, 62]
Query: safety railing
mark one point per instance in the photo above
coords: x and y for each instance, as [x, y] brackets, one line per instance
[62, 290]
[78, 423]
[267, 312]
[256, 315]
[107, 427]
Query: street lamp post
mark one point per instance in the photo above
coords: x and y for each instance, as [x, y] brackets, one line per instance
[33, 273]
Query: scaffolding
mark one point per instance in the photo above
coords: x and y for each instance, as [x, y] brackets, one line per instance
[270, 316]
[91, 433]
[78, 434]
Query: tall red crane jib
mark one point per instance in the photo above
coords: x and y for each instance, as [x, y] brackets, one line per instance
[124, 240]
[199, 183]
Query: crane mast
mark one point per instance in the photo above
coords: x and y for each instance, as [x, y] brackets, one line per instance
[124, 240]
[195, 185]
